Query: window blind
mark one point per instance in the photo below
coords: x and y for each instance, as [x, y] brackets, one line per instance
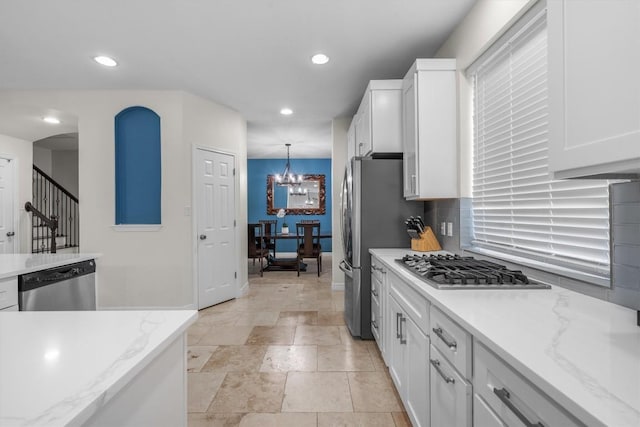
[517, 209]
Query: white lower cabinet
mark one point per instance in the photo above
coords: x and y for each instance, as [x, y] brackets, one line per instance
[450, 394]
[483, 416]
[417, 381]
[445, 376]
[395, 347]
[9, 293]
[408, 365]
[378, 301]
[511, 397]
[408, 348]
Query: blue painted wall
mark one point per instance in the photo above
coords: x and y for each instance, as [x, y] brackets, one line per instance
[257, 171]
[138, 166]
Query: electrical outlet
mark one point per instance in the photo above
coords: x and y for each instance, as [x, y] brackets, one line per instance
[443, 228]
[450, 229]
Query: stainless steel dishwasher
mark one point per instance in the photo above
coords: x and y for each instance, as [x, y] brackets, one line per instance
[69, 287]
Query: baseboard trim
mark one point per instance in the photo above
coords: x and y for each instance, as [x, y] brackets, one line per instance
[337, 286]
[244, 289]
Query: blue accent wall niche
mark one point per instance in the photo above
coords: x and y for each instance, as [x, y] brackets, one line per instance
[138, 166]
[257, 171]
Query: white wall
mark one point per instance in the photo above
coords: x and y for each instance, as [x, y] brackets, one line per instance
[21, 152]
[339, 128]
[486, 21]
[42, 159]
[140, 269]
[64, 169]
[213, 126]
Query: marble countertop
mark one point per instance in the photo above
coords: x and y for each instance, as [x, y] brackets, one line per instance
[59, 368]
[16, 264]
[581, 351]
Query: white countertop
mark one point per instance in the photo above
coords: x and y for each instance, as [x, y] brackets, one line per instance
[581, 351]
[59, 368]
[16, 264]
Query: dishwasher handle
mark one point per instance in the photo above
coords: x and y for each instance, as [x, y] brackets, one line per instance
[37, 279]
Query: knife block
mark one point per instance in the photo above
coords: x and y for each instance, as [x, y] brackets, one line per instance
[426, 242]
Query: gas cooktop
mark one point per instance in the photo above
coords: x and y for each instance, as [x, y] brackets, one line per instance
[456, 272]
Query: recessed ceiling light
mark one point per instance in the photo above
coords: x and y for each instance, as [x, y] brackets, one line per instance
[319, 59]
[52, 120]
[105, 60]
[286, 111]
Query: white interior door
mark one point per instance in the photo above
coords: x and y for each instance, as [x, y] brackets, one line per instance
[215, 207]
[7, 191]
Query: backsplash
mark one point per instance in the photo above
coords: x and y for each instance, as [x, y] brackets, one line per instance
[445, 211]
[625, 244]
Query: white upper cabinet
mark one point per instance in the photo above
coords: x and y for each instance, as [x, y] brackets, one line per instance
[379, 119]
[429, 141]
[594, 88]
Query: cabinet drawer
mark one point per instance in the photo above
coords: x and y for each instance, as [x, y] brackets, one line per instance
[483, 415]
[8, 292]
[453, 341]
[512, 397]
[376, 287]
[376, 319]
[450, 393]
[377, 270]
[413, 304]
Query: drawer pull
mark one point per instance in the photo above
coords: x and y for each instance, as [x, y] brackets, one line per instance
[374, 292]
[503, 395]
[398, 316]
[402, 339]
[436, 364]
[374, 324]
[440, 333]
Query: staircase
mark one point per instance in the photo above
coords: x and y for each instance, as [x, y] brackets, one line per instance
[55, 213]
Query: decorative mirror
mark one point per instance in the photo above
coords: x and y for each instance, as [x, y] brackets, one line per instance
[307, 198]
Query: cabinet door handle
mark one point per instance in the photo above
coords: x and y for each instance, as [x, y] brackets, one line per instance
[373, 291]
[374, 324]
[440, 333]
[504, 395]
[436, 365]
[403, 340]
[398, 316]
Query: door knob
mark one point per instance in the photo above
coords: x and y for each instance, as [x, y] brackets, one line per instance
[203, 236]
[11, 234]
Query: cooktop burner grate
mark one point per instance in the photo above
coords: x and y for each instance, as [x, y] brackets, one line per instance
[456, 272]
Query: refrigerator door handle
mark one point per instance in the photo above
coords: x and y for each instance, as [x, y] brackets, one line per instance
[346, 268]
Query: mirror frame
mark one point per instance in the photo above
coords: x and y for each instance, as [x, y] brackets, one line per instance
[272, 210]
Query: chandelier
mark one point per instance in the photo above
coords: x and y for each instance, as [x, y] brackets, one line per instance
[288, 178]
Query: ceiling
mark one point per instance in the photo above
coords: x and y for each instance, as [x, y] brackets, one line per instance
[251, 55]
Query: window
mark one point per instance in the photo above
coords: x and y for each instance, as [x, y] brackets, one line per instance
[517, 209]
[138, 168]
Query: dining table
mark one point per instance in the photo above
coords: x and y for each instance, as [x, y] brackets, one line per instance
[287, 263]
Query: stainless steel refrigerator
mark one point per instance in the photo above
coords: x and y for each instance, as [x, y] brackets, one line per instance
[373, 215]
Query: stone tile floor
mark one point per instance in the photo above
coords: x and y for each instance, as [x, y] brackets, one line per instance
[282, 356]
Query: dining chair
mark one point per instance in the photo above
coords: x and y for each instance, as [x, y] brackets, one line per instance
[308, 242]
[256, 244]
[270, 230]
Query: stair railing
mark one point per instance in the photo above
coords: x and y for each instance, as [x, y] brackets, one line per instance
[50, 223]
[54, 201]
